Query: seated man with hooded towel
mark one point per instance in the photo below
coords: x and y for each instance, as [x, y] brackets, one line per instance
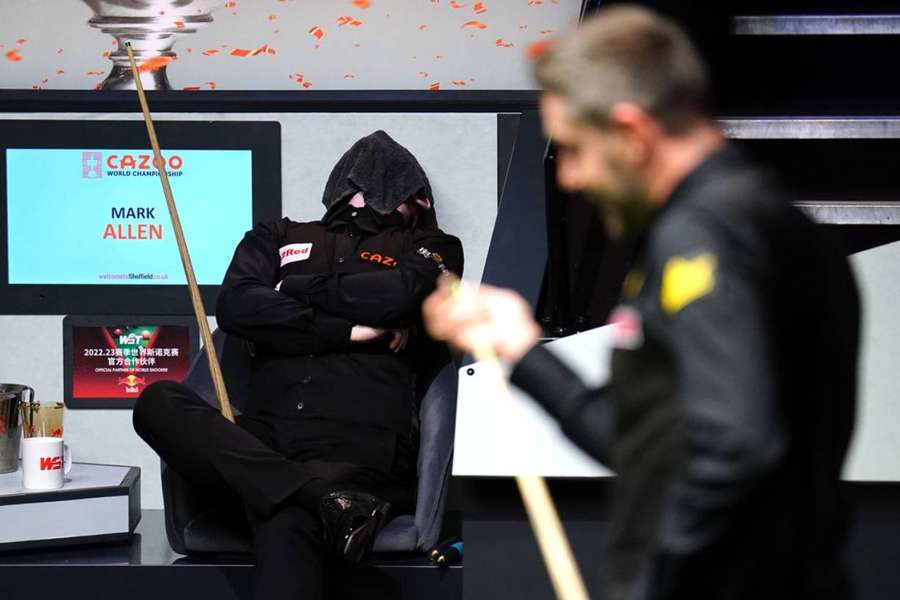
[330, 312]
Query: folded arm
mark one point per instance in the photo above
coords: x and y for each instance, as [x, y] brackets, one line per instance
[391, 298]
[250, 307]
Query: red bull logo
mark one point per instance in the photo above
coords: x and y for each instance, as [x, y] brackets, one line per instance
[131, 383]
[294, 252]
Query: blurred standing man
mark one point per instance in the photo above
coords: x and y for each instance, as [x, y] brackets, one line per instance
[732, 395]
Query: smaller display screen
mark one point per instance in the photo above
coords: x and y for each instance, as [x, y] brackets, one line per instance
[108, 365]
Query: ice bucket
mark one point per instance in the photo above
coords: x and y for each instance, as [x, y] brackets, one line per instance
[11, 397]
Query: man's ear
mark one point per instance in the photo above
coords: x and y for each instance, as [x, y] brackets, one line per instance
[639, 131]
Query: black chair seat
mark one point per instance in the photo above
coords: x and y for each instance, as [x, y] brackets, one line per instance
[199, 523]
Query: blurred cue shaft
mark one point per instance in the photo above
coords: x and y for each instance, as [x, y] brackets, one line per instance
[215, 369]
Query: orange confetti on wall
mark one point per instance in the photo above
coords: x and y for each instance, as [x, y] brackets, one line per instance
[479, 8]
[458, 82]
[59, 50]
[477, 24]
[455, 4]
[211, 84]
[349, 76]
[191, 88]
[231, 4]
[153, 63]
[435, 86]
[423, 73]
[535, 2]
[95, 73]
[179, 24]
[501, 43]
[272, 17]
[60, 71]
[307, 85]
[21, 41]
[13, 56]
[317, 32]
[106, 54]
[363, 4]
[546, 31]
[210, 52]
[348, 20]
[423, 27]
[242, 52]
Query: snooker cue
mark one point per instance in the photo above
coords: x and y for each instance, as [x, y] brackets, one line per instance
[215, 370]
[552, 541]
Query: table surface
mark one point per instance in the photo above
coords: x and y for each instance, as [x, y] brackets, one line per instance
[148, 546]
[82, 476]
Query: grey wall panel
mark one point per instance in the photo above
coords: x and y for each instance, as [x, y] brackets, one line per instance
[518, 252]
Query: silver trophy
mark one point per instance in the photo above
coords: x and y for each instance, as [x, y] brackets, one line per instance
[152, 27]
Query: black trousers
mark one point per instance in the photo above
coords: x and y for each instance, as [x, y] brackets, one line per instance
[278, 495]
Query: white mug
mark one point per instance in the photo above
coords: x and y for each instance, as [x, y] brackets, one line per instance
[45, 463]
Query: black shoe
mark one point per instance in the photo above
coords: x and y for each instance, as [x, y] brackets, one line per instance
[351, 520]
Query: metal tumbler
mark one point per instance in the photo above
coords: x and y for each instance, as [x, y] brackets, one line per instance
[11, 397]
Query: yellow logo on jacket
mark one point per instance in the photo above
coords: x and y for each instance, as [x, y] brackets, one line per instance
[686, 280]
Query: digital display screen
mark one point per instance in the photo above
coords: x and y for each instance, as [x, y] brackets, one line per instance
[110, 361]
[99, 217]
